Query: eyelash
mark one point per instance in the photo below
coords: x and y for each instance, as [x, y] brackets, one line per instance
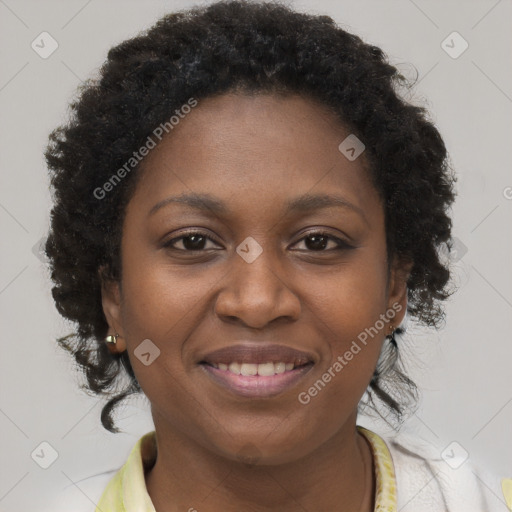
[342, 245]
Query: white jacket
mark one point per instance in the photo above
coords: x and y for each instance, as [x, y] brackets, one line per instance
[427, 483]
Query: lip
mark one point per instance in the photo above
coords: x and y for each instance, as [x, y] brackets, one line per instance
[258, 353]
[257, 386]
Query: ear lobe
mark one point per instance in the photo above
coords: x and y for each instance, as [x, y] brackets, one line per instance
[111, 301]
[397, 293]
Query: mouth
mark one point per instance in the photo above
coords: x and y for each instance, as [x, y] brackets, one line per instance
[256, 370]
[267, 369]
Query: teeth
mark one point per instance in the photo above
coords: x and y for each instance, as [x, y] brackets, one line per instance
[263, 369]
[249, 369]
[234, 368]
[279, 367]
[266, 369]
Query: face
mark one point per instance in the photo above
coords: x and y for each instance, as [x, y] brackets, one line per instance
[197, 279]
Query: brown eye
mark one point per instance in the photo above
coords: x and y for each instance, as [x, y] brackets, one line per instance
[315, 241]
[191, 241]
[318, 240]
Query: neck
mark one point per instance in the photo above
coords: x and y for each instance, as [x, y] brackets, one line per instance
[337, 476]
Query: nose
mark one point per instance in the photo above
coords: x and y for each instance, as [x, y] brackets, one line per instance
[257, 293]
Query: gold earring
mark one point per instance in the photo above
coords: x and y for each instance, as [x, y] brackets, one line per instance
[112, 338]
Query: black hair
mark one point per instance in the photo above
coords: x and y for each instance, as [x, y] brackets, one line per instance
[254, 47]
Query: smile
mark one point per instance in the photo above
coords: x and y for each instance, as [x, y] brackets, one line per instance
[256, 380]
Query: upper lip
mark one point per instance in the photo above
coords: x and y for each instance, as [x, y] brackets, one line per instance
[258, 353]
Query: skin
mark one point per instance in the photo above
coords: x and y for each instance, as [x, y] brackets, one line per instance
[255, 153]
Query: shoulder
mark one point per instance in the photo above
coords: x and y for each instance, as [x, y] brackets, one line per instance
[111, 490]
[83, 494]
[431, 477]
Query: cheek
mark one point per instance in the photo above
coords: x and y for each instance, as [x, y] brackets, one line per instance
[157, 296]
[347, 308]
[350, 298]
[161, 303]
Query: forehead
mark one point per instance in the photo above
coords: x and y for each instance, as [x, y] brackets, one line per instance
[254, 149]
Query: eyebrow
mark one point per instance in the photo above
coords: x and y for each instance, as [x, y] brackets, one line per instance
[304, 203]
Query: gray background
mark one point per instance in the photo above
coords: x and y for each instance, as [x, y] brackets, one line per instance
[464, 369]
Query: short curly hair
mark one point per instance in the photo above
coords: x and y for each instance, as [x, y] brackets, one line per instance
[254, 47]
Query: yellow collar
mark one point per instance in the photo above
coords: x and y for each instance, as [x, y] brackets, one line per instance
[385, 479]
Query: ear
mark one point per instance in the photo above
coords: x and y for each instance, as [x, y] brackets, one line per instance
[111, 302]
[397, 289]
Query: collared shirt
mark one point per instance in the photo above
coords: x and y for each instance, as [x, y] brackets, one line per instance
[127, 492]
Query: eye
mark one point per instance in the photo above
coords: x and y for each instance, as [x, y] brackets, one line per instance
[319, 240]
[197, 240]
[190, 241]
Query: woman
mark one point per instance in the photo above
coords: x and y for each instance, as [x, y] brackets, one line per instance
[245, 210]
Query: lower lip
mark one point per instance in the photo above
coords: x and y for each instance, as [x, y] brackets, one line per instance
[257, 385]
